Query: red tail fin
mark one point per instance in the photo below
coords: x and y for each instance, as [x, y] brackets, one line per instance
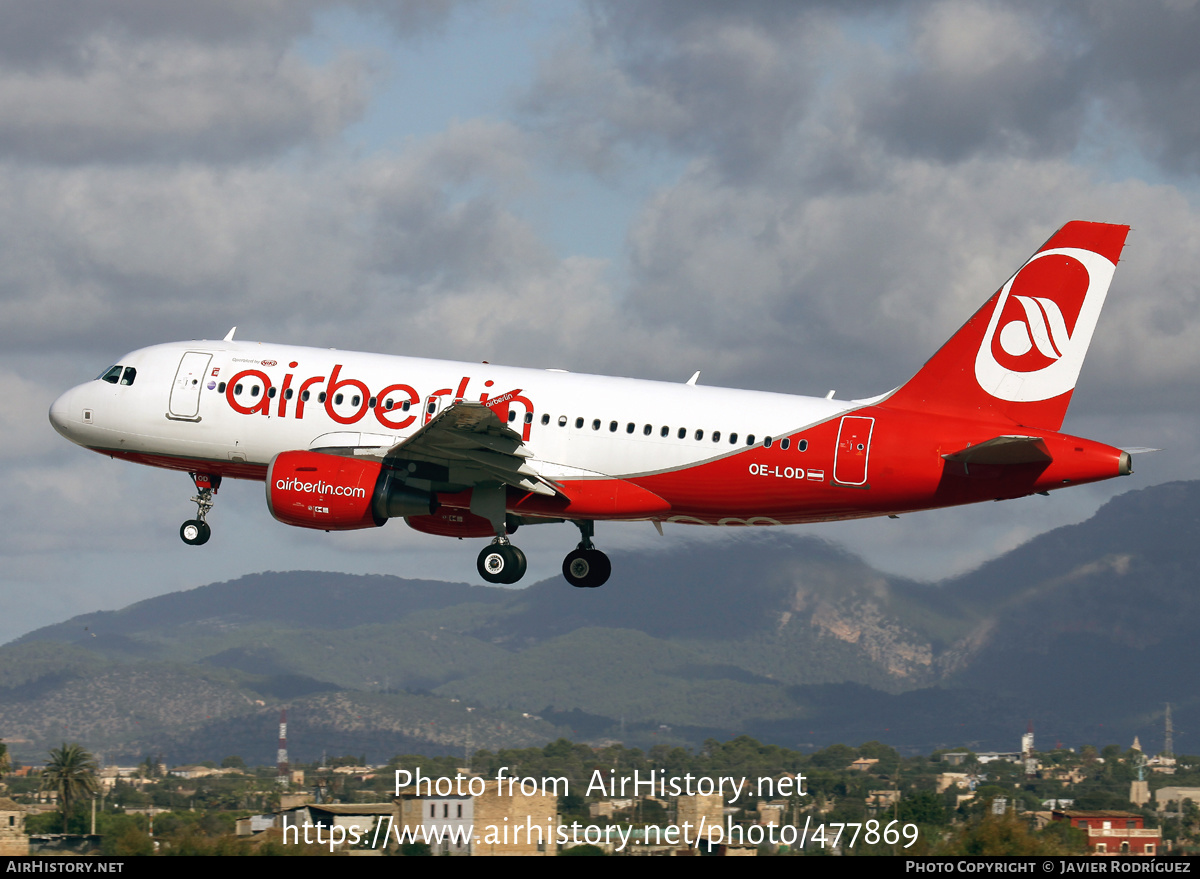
[1018, 358]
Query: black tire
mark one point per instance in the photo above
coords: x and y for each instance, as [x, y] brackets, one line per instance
[501, 563]
[520, 566]
[586, 568]
[193, 532]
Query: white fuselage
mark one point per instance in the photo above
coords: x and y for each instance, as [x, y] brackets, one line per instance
[247, 406]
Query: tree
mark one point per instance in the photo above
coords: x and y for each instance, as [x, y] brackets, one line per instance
[72, 773]
[993, 835]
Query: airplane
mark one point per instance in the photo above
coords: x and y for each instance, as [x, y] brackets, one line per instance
[348, 440]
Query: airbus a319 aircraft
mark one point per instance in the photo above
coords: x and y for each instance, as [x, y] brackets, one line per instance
[347, 440]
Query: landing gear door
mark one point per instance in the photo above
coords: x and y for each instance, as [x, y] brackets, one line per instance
[189, 381]
[853, 450]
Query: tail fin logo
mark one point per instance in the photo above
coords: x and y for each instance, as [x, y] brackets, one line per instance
[1042, 325]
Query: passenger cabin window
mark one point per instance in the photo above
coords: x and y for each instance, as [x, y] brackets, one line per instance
[529, 418]
[802, 446]
[750, 439]
[612, 427]
[629, 427]
[271, 392]
[287, 395]
[699, 434]
[596, 424]
[562, 421]
[512, 415]
[767, 442]
[112, 376]
[546, 418]
[683, 433]
[578, 423]
[784, 443]
[733, 439]
[221, 388]
[131, 374]
[304, 395]
[666, 431]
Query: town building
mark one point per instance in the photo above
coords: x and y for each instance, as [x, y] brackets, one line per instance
[503, 819]
[1111, 832]
[14, 842]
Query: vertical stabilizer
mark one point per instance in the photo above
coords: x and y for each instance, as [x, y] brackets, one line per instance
[1017, 360]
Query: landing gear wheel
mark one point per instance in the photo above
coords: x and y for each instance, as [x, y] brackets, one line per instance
[194, 532]
[586, 568]
[501, 563]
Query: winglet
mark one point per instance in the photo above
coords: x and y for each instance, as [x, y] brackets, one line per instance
[229, 335]
[692, 381]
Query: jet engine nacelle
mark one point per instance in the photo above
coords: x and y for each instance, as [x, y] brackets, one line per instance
[337, 493]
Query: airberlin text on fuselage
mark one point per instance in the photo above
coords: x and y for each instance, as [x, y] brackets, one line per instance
[396, 418]
[322, 488]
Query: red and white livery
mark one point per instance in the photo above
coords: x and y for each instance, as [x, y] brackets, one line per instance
[346, 440]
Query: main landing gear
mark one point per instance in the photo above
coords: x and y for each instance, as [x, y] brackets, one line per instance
[195, 532]
[584, 567]
[501, 562]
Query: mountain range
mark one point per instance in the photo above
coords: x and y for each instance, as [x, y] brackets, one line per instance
[1087, 631]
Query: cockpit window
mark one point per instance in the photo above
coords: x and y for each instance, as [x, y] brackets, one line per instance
[112, 376]
[129, 376]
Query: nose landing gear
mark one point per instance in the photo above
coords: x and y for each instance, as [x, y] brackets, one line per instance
[195, 532]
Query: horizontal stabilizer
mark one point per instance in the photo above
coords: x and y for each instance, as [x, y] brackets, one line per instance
[1004, 450]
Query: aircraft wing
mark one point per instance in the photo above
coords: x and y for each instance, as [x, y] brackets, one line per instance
[1003, 450]
[471, 435]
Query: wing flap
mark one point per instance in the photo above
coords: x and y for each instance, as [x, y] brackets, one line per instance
[472, 435]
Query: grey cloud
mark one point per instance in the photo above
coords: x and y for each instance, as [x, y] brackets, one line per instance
[1034, 79]
[170, 100]
[854, 290]
[102, 260]
[978, 76]
[57, 32]
[1143, 68]
[741, 84]
[211, 80]
[726, 81]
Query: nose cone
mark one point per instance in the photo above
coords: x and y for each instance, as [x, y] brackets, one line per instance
[61, 414]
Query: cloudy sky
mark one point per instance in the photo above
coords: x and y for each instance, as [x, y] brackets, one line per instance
[787, 196]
